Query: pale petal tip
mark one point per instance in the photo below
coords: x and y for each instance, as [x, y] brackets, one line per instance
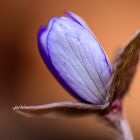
[41, 31]
[67, 12]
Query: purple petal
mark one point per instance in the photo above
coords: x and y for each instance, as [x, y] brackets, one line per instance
[77, 19]
[75, 58]
[80, 21]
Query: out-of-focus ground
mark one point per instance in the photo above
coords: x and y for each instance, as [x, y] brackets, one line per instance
[25, 80]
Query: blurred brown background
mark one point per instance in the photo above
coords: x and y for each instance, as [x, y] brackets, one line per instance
[25, 80]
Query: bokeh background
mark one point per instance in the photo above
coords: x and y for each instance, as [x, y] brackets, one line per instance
[25, 80]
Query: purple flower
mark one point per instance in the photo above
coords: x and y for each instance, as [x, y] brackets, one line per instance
[76, 59]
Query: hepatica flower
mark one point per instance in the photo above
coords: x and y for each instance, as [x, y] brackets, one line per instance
[76, 59]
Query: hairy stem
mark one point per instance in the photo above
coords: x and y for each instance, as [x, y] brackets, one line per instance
[124, 132]
[120, 126]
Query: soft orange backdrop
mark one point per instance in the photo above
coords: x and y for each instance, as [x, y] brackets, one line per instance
[25, 80]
